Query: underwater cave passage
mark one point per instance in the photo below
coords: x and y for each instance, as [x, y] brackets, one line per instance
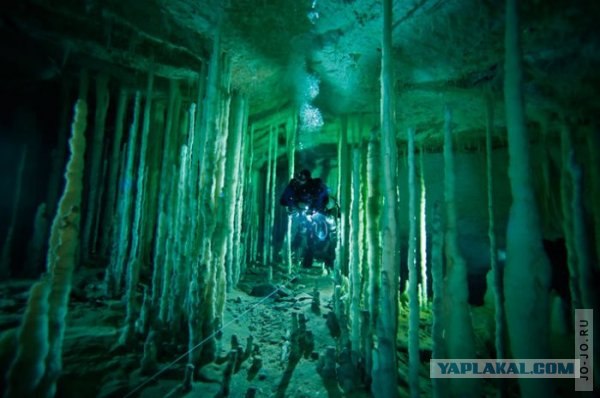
[295, 198]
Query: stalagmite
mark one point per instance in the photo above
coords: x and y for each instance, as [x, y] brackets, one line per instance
[566, 192]
[495, 268]
[35, 249]
[423, 232]
[166, 207]
[315, 304]
[355, 271]
[161, 276]
[384, 356]
[137, 232]
[238, 242]
[64, 242]
[101, 193]
[234, 149]
[251, 202]
[175, 252]
[267, 201]
[149, 363]
[587, 279]
[527, 272]
[459, 329]
[213, 295]
[326, 368]
[217, 198]
[114, 274]
[593, 171]
[273, 198]
[413, 293]
[185, 260]
[113, 173]
[291, 151]
[29, 366]
[373, 245]
[342, 249]
[5, 259]
[437, 275]
[95, 151]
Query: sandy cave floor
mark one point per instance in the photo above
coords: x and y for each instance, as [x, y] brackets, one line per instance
[92, 366]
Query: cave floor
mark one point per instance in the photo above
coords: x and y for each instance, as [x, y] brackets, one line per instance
[94, 367]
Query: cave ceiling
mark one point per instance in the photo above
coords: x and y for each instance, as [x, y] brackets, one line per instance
[446, 52]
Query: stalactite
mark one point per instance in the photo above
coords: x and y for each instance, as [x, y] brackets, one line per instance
[423, 232]
[373, 246]
[162, 268]
[207, 201]
[5, 259]
[355, 271]
[546, 214]
[527, 272]
[185, 257]
[413, 277]
[384, 357]
[96, 233]
[273, 199]
[494, 266]
[95, 155]
[111, 184]
[587, 279]
[254, 234]
[363, 227]
[567, 218]
[167, 208]
[114, 275]
[250, 203]
[593, 170]
[137, 231]
[234, 149]
[154, 158]
[60, 151]
[248, 233]
[343, 254]
[587, 282]
[437, 275]
[199, 127]
[267, 201]
[175, 255]
[459, 329]
[219, 234]
[239, 248]
[62, 252]
[363, 240]
[158, 271]
[291, 151]
[166, 271]
[35, 249]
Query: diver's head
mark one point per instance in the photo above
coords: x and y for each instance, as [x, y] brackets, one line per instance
[303, 176]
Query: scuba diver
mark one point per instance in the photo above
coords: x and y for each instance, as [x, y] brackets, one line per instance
[307, 200]
[305, 192]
